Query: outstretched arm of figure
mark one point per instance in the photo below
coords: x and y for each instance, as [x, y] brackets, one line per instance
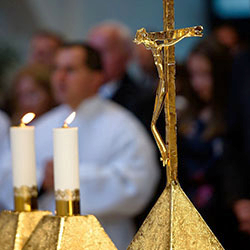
[173, 42]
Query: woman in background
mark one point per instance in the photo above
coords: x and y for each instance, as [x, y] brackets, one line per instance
[31, 92]
[202, 128]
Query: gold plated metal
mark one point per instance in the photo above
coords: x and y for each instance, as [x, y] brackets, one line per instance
[25, 198]
[67, 208]
[16, 227]
[159, 43]
[67, 202]
[69, 233]
[173, 223]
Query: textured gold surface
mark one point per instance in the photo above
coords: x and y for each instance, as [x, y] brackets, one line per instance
[69, 233]
[169, 79]
[173, 223]
[155, 230]
[25, 198]
[67, 202]
[16, 227]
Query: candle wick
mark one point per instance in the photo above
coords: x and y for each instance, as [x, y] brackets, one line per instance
[22, 125]
[65, 125]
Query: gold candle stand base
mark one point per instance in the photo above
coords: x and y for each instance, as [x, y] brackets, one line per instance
[174, 223]
[69, 233]
[16, 227]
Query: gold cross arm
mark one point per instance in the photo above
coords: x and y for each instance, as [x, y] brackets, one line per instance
[171, 36]
[195, 31]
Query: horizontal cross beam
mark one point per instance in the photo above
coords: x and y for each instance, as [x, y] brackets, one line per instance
[175, 34]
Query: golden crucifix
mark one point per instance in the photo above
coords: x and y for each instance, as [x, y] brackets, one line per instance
[173, 223]
[156, 42]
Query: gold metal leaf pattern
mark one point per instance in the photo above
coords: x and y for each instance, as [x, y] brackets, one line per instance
[16, 227]
[174, 224]
[25, 191]
[67, 195]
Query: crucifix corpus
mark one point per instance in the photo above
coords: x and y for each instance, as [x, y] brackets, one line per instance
[173, 222]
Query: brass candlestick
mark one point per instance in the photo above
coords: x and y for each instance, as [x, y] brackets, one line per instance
[67, 202]
[25, 198]
[16, 226]
[68, 229]
[173, 223]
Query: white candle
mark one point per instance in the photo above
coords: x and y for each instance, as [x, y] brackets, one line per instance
[23, 153]
[66, 162]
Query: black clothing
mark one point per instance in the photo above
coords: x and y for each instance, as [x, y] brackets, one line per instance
[237, 158]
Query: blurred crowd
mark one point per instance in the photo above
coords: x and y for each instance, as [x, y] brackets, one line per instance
[121, 174]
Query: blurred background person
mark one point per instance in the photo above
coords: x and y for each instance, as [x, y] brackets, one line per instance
[202, 129]
[228, 35]
[8, 59]
[182, 87]
[114, 42]
[145, 61]
[31, 92]
[43, 46]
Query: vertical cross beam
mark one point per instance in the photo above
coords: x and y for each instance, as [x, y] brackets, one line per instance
[169, 75]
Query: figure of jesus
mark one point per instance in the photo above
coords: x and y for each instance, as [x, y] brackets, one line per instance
[156, 45]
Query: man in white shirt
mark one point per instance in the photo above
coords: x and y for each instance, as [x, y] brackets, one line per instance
[118, 167]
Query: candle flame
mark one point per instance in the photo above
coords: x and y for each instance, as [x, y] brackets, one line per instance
[69, 119]
[27, 118]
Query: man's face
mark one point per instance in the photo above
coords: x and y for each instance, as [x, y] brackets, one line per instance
[72, 80]
[43, 50]
[113, 53]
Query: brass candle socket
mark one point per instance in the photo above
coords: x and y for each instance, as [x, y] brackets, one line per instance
[67, 202]
[25, 198]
